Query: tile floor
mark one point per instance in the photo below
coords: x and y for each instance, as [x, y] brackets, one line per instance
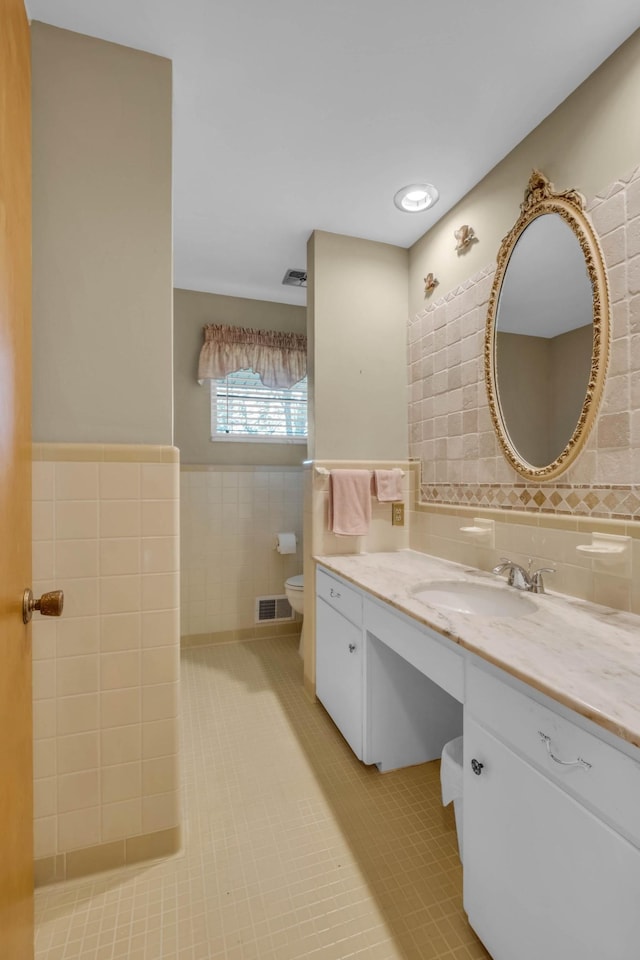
[292, 847]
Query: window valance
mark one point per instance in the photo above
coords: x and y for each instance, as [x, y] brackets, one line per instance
[280, 359]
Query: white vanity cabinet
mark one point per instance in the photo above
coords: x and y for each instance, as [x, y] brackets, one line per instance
[551, 811]
[549, 868]
[340, 657]
[392, 688]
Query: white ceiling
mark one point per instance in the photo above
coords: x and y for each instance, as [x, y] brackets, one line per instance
[292, 115]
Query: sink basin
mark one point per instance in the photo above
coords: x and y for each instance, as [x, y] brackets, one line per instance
[483, 600]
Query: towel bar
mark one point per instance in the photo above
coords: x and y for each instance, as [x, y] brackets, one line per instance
[323, 472]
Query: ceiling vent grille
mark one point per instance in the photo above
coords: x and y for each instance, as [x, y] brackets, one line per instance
[295, 278]
[273, 609]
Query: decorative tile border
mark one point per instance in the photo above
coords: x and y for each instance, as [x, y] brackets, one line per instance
[608, 502]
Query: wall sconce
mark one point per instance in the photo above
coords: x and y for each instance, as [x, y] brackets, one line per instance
[430, 283]
[465, 236]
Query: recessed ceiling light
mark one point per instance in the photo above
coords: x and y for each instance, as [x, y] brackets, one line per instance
[416, 197]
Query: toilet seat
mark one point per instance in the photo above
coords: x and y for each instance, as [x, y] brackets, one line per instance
[295, 583]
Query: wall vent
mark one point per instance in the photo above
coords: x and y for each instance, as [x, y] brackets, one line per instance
[295, 278]
[273, 609]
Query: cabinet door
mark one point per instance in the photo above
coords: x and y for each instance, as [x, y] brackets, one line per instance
[339, 658]
[543, 877]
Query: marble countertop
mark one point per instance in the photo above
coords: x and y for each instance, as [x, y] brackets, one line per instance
[582, 655]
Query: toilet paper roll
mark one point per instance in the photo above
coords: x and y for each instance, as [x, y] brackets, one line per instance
[286, 543]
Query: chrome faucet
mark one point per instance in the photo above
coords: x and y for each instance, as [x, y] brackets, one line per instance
[522, 579]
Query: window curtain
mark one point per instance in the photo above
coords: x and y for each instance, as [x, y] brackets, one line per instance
[279, 359]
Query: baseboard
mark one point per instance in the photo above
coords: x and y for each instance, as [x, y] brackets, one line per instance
[106, 856]
[265, 632]
[310, 689]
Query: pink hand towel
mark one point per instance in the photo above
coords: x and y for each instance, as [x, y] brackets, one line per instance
[350, 502]
[388, 485]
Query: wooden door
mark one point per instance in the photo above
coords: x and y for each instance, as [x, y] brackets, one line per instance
[16, 774]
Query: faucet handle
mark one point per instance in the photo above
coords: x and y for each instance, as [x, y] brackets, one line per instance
[537, 583]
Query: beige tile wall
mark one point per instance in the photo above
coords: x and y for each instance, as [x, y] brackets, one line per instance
[319, 540]
[549, 541]
[229, 520]
[463, 471]
[105, 677]
[450, 426]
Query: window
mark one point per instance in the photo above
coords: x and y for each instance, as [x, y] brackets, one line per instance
[242, 408]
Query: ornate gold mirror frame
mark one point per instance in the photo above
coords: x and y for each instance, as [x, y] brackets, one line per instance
[540, 198]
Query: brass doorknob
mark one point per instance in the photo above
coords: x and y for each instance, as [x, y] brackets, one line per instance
[49, 605]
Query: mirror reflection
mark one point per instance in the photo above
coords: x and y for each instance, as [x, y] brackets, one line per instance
[543, 342]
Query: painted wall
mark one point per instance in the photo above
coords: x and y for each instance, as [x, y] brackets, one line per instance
[542, 383]
[192, 310]
[587, 142]
[524, 385]
[357, 300]
[102, 254]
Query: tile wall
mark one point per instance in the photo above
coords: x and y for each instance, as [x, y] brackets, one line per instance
[105, 675]
[451, 430]
[549, 540]
[319, 540]
[229, 520]
[463, 470]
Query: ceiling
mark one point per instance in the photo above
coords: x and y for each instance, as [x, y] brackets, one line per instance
[292, 115]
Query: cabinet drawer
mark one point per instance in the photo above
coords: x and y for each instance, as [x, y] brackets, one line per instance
[610, 785]
[338, 595]
[434, 656]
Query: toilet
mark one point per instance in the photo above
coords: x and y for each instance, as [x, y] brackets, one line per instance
[294, 589]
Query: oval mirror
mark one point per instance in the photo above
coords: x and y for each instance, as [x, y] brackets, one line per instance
[547, 336]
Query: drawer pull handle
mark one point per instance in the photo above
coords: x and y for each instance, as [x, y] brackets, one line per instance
[334, 593]
[476, 766]
[565, 763]
[352, 648]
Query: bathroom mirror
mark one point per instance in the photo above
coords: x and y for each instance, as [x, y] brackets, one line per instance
[547, 334]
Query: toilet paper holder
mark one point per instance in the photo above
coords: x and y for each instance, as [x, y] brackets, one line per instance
[286, 543]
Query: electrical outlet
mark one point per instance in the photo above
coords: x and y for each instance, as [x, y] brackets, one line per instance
[397, 514]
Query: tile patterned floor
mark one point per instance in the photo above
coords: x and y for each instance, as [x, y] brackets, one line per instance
[292, 848]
